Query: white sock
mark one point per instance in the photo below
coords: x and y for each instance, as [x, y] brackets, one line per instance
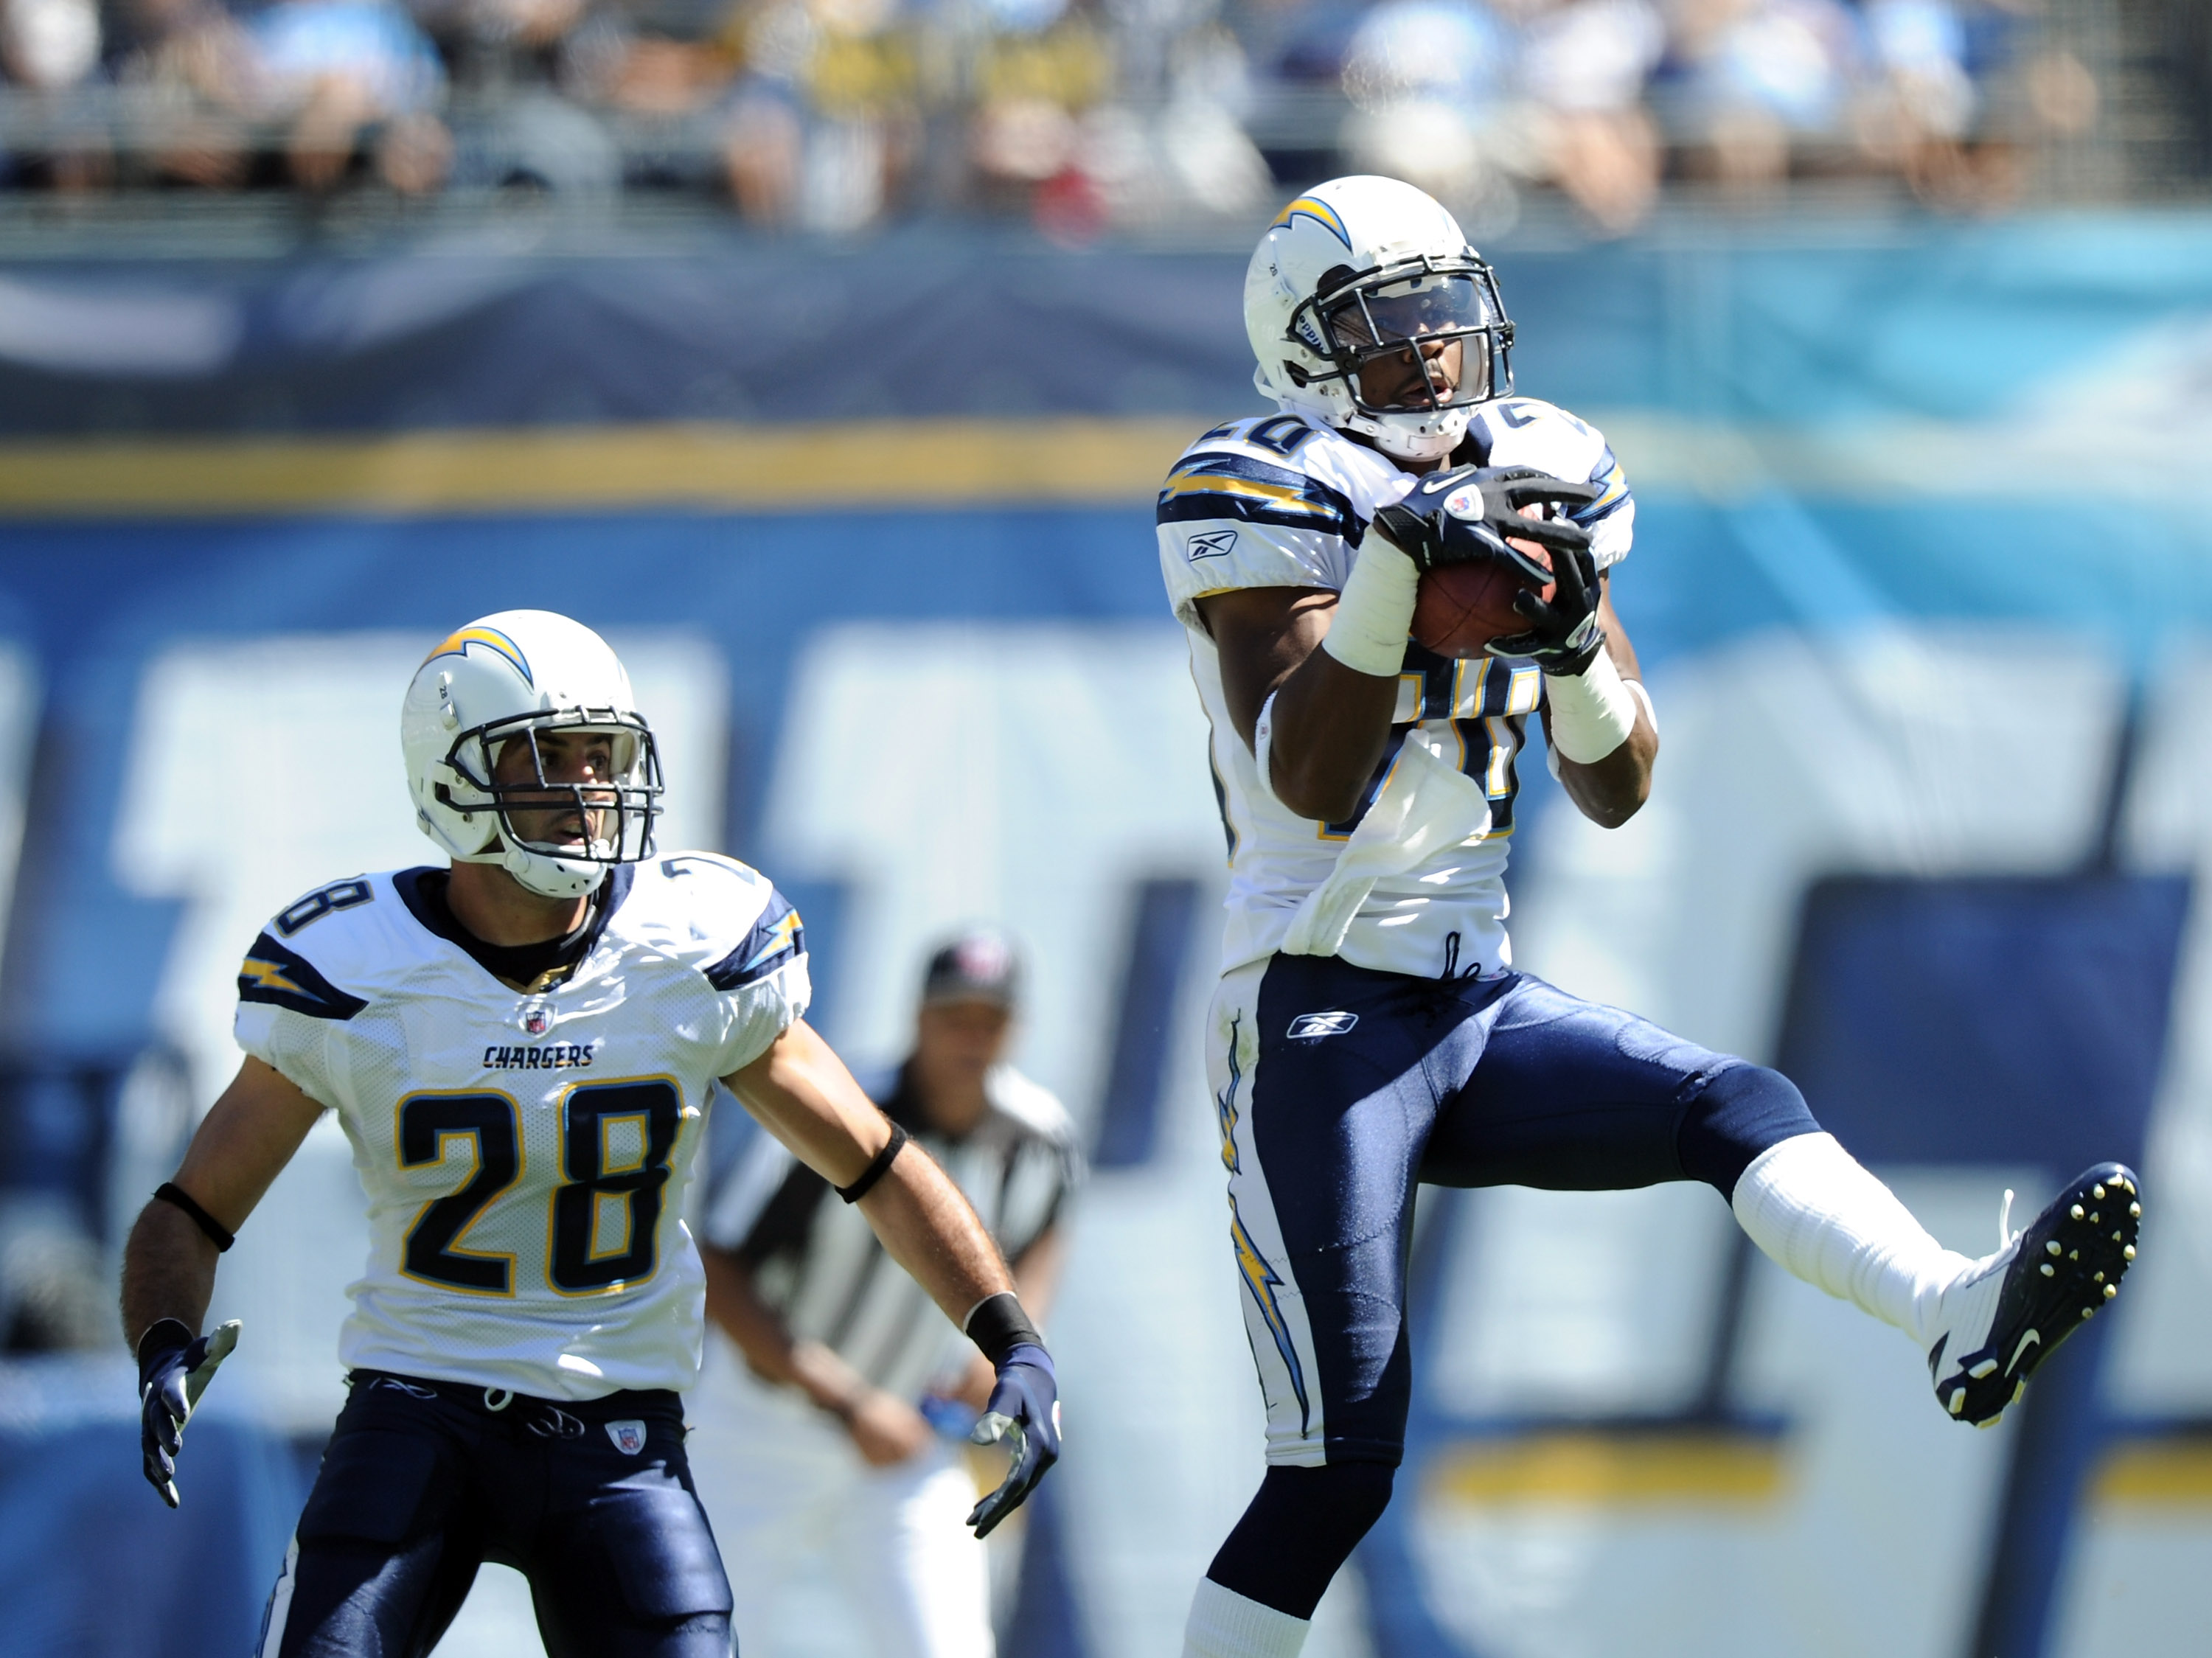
[1225, 1625]
[1819, 1215]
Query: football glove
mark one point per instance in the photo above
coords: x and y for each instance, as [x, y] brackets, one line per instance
[1563, 634]
[1025, 1409]
[174, 1368]
[1464, 514]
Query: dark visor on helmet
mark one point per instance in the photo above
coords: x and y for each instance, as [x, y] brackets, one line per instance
[1395, 310]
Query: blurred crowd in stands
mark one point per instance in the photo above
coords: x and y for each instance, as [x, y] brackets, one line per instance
[831, 115]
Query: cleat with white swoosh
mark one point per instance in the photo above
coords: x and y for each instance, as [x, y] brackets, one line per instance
[2006, 1316]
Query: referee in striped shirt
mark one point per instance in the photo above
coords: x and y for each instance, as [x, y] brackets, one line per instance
[815, 1449]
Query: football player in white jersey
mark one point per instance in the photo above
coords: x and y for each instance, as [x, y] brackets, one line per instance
[1370, 1031]
[520, 1049]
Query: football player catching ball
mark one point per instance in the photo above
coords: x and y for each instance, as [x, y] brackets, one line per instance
[1370, 1031]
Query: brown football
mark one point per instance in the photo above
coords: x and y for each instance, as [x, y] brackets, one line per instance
[1460, 608]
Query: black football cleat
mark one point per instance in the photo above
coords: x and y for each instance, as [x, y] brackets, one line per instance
[2009, 1315]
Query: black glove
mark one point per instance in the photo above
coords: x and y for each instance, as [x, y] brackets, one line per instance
[1025, 1405]
[1565, 634]
[174, 1369]
[1459, 516]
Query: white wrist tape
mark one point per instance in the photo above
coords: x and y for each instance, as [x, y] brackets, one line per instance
[1375, 610]
[1592, 712]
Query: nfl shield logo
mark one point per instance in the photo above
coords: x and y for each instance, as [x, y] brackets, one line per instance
[629, 1436]
[537, 1019]
[1465, 503]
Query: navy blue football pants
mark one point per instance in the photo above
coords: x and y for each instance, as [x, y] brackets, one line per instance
[423, 1482]
[1338, 1089]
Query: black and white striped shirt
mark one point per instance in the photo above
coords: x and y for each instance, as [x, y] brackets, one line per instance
[815, 1260]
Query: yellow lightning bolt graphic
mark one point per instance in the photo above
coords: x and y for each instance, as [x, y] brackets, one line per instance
[1225, 1103]
[267, 976]
[1259, 1278]
[779, 937]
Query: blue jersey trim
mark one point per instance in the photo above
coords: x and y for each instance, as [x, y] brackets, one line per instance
[284, 978]
[1212, 485]
[777, 939]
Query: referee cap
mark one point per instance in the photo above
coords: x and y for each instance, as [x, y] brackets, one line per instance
[977, 966]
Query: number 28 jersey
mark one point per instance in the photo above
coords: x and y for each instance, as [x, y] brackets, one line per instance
[1281, 501]
[525, 1154]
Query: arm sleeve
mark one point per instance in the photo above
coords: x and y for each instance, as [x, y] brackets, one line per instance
[761, 986]
[1529, 432]
[286, 1010]
[1611, 518]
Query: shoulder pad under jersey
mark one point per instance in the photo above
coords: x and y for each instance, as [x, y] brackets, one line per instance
[1529, 432]
[723, 917]
[1280, 470]
[343, 942]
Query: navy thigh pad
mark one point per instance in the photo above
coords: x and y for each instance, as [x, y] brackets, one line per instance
[657, 1544]
[375, 1486]
[1569, 1095]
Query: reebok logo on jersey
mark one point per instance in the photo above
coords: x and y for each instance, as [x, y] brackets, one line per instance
[553, 1056]
[1214, 543]
[629, 1436]
[1333, 1023]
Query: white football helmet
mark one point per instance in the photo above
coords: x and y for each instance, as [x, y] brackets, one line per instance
[504, 680]
[1365, 268]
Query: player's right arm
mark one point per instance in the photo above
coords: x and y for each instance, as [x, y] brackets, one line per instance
[1329, 721]
[1331, 658]
[168, 1264]
[240, 1147]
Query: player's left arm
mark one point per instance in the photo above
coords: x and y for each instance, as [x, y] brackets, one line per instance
[1609, 790]
[802, 1093]
[1036, 1275]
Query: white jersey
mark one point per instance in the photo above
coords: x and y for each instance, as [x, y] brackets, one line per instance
[1281, 501]
[525, 1154]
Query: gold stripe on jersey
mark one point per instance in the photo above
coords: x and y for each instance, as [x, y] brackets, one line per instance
[1279, 494]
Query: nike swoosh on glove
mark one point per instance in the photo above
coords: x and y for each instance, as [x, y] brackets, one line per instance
[174, 1368]
[1025, 1409]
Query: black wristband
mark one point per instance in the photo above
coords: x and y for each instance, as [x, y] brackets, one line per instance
[876, 1171]
[999, 1326]
[170, 1191]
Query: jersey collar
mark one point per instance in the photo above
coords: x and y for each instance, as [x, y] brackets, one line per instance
[426, 902]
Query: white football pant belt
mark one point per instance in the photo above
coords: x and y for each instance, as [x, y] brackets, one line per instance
[1224, 1624]
[1819, 1215]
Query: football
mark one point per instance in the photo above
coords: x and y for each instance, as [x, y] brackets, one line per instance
[1460, 608]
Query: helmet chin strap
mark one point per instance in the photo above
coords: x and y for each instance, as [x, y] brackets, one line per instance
[538, 872]
[1399, 443]
[551, 877]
